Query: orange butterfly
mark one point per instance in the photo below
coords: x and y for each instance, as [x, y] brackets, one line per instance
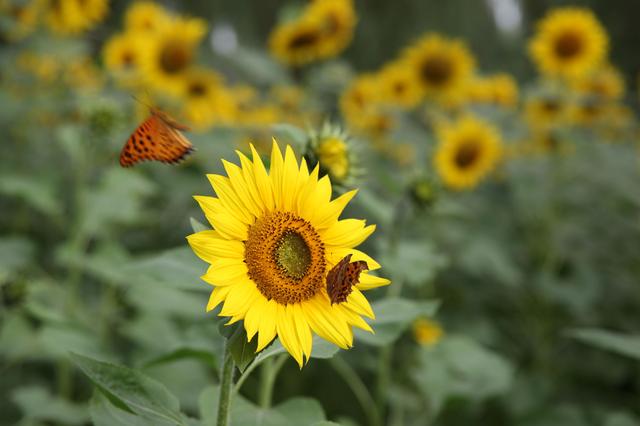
[158, 138]
[342, 277]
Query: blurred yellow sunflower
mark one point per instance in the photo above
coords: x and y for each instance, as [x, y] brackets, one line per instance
[338, 21]
[441, 66]
[362, 107]
[427, 332]
[147, 16]
[206, 100]
[297, 43]
[22, 17]
[171, 54]
[122, 55]
[398, 87]
[545, 111]
[499, 89]
[467, 151]
[74, 16]
[604, 84]
[568, 42]
[276, 235]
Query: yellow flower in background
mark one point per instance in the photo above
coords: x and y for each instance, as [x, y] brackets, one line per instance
[427, 332]
[362, 107]
[171, 54]
[499, 89]
[603, 84]
[568, 42]
[206, 100]
[147, 17]
[83, 75]
[545, 111]
[338, 21]
[74, 16]
[276, 235]
[43, 67]
[441, 66]
[398, 86]
[333, 148]
[123, 54]
[468, 149]
[22, 16]
[297, 43]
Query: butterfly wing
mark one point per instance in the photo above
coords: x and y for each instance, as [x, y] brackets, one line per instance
[342, 277]
[155, 139]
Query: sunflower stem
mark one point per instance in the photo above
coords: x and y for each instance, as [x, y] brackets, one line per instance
[358, 388]
[268, 373]
[226, 381]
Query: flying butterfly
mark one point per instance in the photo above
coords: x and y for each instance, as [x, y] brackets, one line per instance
[158, 138]
[342, 277]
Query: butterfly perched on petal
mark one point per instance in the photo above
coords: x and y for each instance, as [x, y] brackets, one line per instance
[158, 138]
[342, 277]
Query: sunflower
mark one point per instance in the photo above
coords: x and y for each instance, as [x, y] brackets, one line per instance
[276, 235]
[568, 42]
[74, 16]
[23, 17]
[603, 84]
[338, 21]
[333, 149]
[146, 17]
[169, 57]
[441, 66]
[362, 106]
[545, 111]
[467, 151]
[206, 100]
[122, 55]
[426, 332]
[498, 89]
[398, 87]
[297, 43]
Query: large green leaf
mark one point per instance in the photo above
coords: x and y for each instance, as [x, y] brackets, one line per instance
[393, 317]
[36, 403]
[15, 254]
[623, 344]
[131, 390]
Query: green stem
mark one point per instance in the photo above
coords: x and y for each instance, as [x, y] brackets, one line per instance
[226, 381]
[384, 379]
[268, 374]
[358, 388]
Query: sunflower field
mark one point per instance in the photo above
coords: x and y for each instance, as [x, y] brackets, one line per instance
[320, 212]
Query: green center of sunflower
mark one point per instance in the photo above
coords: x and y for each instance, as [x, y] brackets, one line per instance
[292, 254]
[285, 258]
[436, 70]
[174, 58]
[303, 39]
[568, 45]
[467, 154]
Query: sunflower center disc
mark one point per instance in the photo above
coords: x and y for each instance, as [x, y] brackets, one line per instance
[285, 258]
[436, 70]
[466, 155]
[174, 58]
[568, 45]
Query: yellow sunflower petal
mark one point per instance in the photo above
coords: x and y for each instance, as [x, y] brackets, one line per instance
[217, 296]
[347, 233]
[263, 184]
[227, 225]
[209, 246]
[267, 328]
[287, 333]
[367, 281]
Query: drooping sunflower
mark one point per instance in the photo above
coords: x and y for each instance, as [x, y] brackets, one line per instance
[441, 66]
[568, 42]
[74, 16]
[167, 60]
[276, 235]
[206, 100]
[398, 86]
[338, 21]
[146, 17]
[122, 55]
[467, 151]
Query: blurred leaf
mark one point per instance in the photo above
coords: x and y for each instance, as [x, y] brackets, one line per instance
[256, 66]
[104, 413]
[131, 389]
[414, 262]
[38, 192]
[18, 339]
[623, 344]
[459, 367]
[197, 226]
[621, 419]
[15, 254]
[393, 317]
[242, 351]
[176, 268]
[180, 354]
[36, 403]
[301, 411]
[59, 339]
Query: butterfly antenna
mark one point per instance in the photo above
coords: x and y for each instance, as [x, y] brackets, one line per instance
[143, 102]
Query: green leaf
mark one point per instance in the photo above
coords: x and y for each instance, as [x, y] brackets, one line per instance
[242, 351]
[39, 193]
[182, 353]
[36, 403]
[132, 390]
[177, 268]
[104, 413]
[393, 317]
[15, 254]
[301, 411]
[198, 226]
[622, 344]
[414, 262]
